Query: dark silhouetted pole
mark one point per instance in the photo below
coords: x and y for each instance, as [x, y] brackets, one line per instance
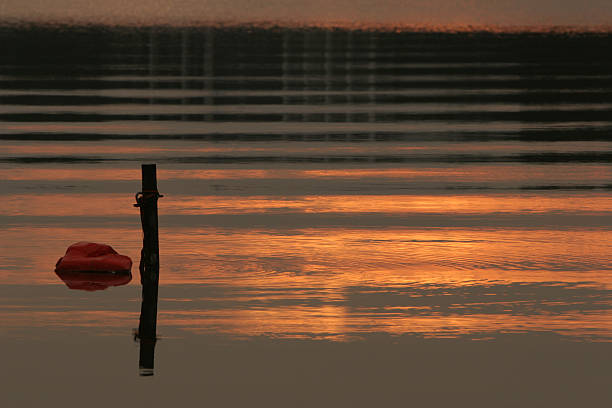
[149, 268]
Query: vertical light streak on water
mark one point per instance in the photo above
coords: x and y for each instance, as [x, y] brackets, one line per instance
[285, 71]
[328, 53]
[209, 72]
[371, 79]
[347, 70]
[184, 64]
[151, 68]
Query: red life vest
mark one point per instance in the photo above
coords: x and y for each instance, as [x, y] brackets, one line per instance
[89, 266]
[88, 256]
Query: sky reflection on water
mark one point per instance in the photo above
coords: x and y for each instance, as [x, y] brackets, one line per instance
[353, 217]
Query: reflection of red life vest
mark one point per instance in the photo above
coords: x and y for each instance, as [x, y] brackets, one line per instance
[87, 256]
[91, 281]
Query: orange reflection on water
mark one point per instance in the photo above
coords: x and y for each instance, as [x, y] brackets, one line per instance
[328, 259]
[24, 174]
[120, 204]
[391, 204]
[474, 173]
[328, 322]
[336, 258]
[338, 283]
[338, 323]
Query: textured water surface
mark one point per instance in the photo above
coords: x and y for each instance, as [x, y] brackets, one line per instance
[366, 198]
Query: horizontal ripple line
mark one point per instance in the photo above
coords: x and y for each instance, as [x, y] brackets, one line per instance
[177, 108]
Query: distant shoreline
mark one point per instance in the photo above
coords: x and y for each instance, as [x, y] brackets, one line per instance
[325, 26]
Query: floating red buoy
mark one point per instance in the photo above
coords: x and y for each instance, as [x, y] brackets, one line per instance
[88, 256]
[90, 266]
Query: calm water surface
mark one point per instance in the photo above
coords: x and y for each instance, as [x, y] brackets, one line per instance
[350, 217]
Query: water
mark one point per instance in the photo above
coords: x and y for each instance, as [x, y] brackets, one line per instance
[350, 217]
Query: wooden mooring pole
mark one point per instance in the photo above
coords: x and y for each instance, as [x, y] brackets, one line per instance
[146, 200]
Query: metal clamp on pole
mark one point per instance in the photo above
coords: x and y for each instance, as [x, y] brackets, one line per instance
[142, 197]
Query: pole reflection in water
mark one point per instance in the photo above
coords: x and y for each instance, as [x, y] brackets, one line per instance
[147, 329]
[146, 200]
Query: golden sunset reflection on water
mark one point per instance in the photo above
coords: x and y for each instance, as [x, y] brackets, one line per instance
[331, 322]
[339, 257]
[341, 284]
[118, 205]
[494, 173]
[336, 323]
